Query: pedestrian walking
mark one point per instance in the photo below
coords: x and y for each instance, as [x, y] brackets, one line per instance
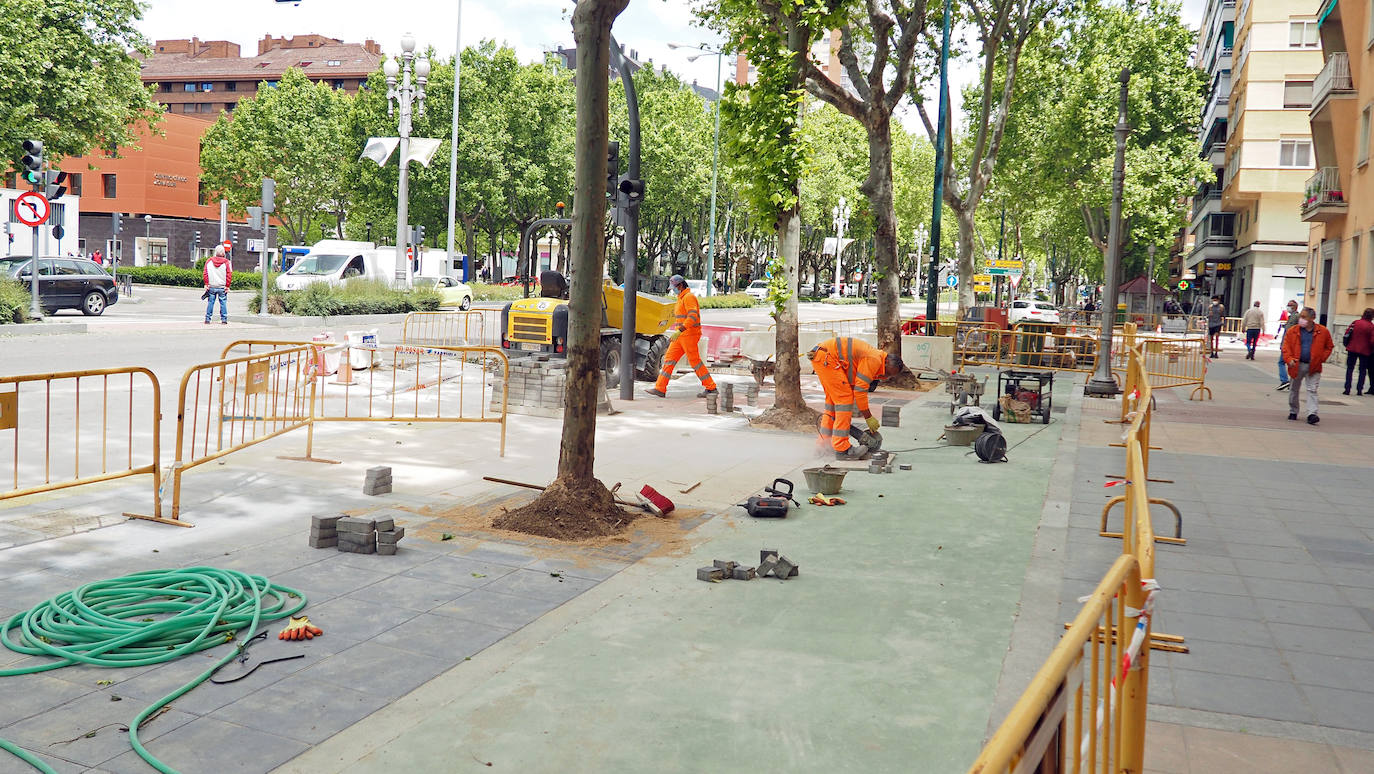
[218, 273]
[1287, 319]
[1359, 352]
[1253, 323]
[1306, 347]
[1216, 316]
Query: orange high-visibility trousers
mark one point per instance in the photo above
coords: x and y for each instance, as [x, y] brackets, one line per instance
[839, 401]
[685, 344]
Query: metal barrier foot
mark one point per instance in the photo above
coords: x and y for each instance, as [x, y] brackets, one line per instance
[159, 519]
[1198, 389]
[1177, 539]
[311, 459]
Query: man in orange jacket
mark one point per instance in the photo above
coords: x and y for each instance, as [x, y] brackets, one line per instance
[687, 321]
[849, 369]
[1305, 347]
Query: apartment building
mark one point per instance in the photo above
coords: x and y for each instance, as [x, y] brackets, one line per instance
[826, 51]
[1248, 243]
[1338, 200]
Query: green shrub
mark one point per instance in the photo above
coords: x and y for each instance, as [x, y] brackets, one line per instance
[14, 302]
[357, 297]
[842, 301]
[484, 292]
[189, 278]
[727, 301]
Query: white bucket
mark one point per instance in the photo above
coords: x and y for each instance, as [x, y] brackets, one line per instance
[362, 349]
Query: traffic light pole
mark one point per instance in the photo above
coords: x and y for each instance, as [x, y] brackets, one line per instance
[630, 255]
[938, 192]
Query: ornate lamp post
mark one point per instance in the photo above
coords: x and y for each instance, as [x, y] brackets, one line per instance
[840, 213]
[410, 98]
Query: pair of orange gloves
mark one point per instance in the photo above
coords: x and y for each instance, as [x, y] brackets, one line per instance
[826, 500]
[300, 629]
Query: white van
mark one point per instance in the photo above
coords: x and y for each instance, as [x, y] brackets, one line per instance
[336, 261]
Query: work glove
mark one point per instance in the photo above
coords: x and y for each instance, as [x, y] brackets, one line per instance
[873, 424]
[300, 629]
[826, 500]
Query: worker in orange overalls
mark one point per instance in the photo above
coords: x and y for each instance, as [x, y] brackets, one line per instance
[687, 321]
[849, 369]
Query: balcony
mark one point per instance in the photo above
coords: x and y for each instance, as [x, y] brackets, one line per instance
[1334, 81]
[1206, 201]
[1324, 200]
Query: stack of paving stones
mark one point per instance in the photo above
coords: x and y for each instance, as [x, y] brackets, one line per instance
[726, 390]
[356, 535]
[892, 416]
[537, 386]
[770, 562]
[324, 531]
[378, 481]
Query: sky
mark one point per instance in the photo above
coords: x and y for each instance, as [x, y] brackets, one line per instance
[528, 26]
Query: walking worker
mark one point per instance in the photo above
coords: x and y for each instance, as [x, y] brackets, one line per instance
[1305, 347]
[1288, 319]
[849, 369]
[1216, 317]
[687, 322]
[1253, 323]
[1359, 352]
[217, 275]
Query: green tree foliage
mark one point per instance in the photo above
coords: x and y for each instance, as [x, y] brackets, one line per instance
[293, 133]
[67, 78]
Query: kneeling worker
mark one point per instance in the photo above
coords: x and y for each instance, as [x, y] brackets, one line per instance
[849, 369]
[687, 321]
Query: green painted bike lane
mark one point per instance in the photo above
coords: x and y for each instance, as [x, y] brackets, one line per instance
[883, 655]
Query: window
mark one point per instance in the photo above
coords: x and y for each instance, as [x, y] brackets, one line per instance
[336, 84]
[1351, 271]
[68, 268]
[1295, 153]
[229, 107]
[1362, 151]
[1369, 262]
[188, 87]
[304, 64]
[90, 268]
[202, 196]
[333, 63]
[1303, 34]
[1297, 94]
[166, 87]
[107, 185]
[231, 86]
[207, 86]
[74, 183]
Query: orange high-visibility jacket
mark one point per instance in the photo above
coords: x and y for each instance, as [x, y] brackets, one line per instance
[688, 312]
[861, 363]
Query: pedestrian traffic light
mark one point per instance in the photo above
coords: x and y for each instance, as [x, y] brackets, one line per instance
[116, 222]
[420, 235]
[269, 195]
[32, 160]
[612, 167]
[53, 187]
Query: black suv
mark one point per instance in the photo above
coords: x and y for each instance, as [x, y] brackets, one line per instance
[64, 283]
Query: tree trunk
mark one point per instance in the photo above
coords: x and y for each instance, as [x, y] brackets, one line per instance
[967, 234]
[788, 375]
[878, 190]
[592, 21]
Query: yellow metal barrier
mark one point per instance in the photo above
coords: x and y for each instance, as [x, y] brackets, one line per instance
[1061, 348]
[1169, 361]
[451, 328]
[33, 410]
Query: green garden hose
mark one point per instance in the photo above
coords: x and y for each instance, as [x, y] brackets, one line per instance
[143, 619]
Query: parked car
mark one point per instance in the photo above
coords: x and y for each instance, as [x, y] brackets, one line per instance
[757, 289]
[453, 293]
[806, 290]
[697, 286]
[1026, 310]
[64, 283]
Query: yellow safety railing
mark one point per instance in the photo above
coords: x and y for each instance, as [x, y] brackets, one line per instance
[1040, 348]
[1169, 361]
[1084, 710]
[112, 416]
[451, 328]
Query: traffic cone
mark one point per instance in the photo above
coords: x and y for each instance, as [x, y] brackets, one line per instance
[345, 373]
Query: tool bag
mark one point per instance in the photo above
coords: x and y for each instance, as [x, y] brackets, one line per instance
[766, 507]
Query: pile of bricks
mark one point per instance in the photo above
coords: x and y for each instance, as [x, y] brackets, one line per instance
[892, 416]
[355, 535]
[378, 481]
[537, 386]
[770, 563]
[730, 390]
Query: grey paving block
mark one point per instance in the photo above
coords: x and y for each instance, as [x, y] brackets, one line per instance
[1261, 661]
[540, 585]
[356, 667]
[1186, 580]
[323, 542]
[385, 549]
[783, 569]
[207, 744]
[415, 594]
[392, 535]
[1247, 696]
[459, 571]
[356, 525]
[1260, 569]
[54, 691]
[328, 579]
[1327, 641]
[324, 522]
[384, 524]
[356, 619]
[1193, 626]
[441, 636]
[1316, 669]
[1316, 615]
[1205, 603]
[379, 470]
[323, 532]
[710, 574]
[743, 573]
[302, 708]
[767, 566]
[1294, 591]
[357, 538]
[77, 717]
[1268, 553]
[365, 548]
[1342, 709]
[504, 611]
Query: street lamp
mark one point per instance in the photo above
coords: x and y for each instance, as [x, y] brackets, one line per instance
[920, 234]
[410, 99]
[1150, 282]
[840, 213]
[715, 158]
[147, 239]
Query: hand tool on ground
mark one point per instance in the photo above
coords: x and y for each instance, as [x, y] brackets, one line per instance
[781, 487]
[826, 500]
[300, 629]
[654, 502]
[767, 507]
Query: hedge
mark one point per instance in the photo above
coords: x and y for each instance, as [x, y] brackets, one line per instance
[14, 302]
[357, 297]
[189, 278]
[484, 292]
[727, 301]
[843, 301]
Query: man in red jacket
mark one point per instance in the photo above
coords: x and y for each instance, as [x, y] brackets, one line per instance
[1359, 352]
[1305, 347]
[218, 274]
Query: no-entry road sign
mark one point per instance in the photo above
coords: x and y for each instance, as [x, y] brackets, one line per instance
[32, 209]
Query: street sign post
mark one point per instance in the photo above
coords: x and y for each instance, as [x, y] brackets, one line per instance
[32, 209]
[952, 281]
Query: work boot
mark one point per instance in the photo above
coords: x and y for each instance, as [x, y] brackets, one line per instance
[705, 393]
[856, 451]
[1313, 419]
[656, 393]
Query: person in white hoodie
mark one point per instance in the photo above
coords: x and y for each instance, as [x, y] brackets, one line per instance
[218, 274]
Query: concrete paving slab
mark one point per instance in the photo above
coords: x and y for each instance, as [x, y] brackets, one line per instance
[207, 744]
[65, 730]
[302, 708]
[376, 670]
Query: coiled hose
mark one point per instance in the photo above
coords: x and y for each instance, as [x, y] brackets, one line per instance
[142, 619]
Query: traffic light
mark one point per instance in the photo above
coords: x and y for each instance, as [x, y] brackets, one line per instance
[195, 237]
[32, 160]
[420, 235]
[612, 167]
[254, 219]
[52, 184]
[234, 237]
[269, 195]
[116, 222]
[632, 192]
[58, 232]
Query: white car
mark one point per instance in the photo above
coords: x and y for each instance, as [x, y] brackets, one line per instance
[757, 289]
[453, 293]
[697, 286]
[1026, 310]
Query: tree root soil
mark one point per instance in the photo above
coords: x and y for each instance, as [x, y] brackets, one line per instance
[780, 418]
[569, 512]
[908, 381]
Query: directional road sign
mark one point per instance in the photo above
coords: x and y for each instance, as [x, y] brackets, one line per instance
[1008, 263]
[32, 209]
[952, 280]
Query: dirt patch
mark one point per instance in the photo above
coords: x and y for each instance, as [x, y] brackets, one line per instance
[907, 380]
[779, 418]
[569, 512]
